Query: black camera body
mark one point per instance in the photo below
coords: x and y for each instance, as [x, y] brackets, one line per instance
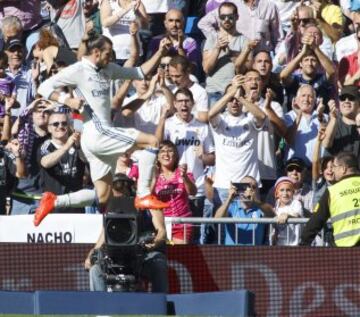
[122, 257]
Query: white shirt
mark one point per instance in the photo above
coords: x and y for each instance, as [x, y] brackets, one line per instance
[147, 117]
[305, 137]
[119, 32]
[266, 143]
[289, 234]
[346, 46]
[200, 97]
[236, 148]
[156, 6]
[187, 136]
[94, 84]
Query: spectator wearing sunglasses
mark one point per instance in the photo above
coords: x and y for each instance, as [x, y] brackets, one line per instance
[220, 51]
[296, 170]
[258, 20]
[341, 132]
[60, 157]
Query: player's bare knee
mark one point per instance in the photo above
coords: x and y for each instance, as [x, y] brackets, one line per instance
[154, 141]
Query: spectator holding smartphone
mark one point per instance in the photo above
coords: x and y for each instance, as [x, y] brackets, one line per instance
[242, 202]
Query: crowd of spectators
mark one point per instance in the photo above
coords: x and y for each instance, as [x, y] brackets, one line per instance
[251, 101]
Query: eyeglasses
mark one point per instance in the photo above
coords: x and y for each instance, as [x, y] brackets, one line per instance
[348, 97]
[230, 17]
[63, 124]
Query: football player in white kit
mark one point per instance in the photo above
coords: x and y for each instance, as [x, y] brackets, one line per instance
[101, 142]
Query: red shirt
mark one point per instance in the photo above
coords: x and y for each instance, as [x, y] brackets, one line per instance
[349, 65]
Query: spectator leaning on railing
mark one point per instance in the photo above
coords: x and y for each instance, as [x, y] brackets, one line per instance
[340, 203]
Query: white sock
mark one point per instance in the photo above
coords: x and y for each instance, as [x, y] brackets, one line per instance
[146, 166]
[81, 198]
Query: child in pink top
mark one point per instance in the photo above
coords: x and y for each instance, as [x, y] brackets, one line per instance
[173, 184]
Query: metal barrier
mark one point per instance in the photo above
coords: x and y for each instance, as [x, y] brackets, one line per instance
[197, 221]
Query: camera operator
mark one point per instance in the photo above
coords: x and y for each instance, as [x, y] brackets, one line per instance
[243, 202]
[154, 263]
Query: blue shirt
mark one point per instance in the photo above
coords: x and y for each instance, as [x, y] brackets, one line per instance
[244, 230]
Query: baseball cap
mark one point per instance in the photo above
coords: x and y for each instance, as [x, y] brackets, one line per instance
[350, 90]
[295, 162]
[13, 43]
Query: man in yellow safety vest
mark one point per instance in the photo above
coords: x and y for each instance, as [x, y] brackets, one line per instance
[340, 203]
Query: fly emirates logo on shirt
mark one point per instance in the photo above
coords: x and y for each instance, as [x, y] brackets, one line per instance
[236, 137]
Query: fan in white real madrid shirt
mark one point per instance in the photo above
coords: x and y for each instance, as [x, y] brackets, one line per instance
[274, 123]
[193, 141]
[101, 142]
[236, 137]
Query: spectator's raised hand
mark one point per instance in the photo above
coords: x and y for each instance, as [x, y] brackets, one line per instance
[321, 133]
[133, 28]
[165, 111]
[135, 4]
[73, 139]
[316, 6]
[161, 77]
[9, 103]
[14, 147]
[238, 81]
[181, 37]
[251, 44]
[333, 111]
[35, 70]
[89, 26]
[320, 109]
[183, 170]
[222, 41]
[308, 41]
[269, 95]
[232, 192]
[296, 107]
[165, 45]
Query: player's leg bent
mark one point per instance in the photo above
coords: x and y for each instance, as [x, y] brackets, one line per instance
[147, 158]
[103, 187]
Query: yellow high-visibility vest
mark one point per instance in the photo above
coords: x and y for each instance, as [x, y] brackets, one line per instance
[345, 211]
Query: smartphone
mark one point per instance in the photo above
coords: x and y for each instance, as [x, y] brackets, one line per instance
[241, 189]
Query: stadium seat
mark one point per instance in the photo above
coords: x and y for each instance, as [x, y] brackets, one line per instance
[191, 27]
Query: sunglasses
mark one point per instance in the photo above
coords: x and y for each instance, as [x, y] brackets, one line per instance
[305, 21]
[57, 124]
[294, 168]
[348, 97]
[230, 17]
